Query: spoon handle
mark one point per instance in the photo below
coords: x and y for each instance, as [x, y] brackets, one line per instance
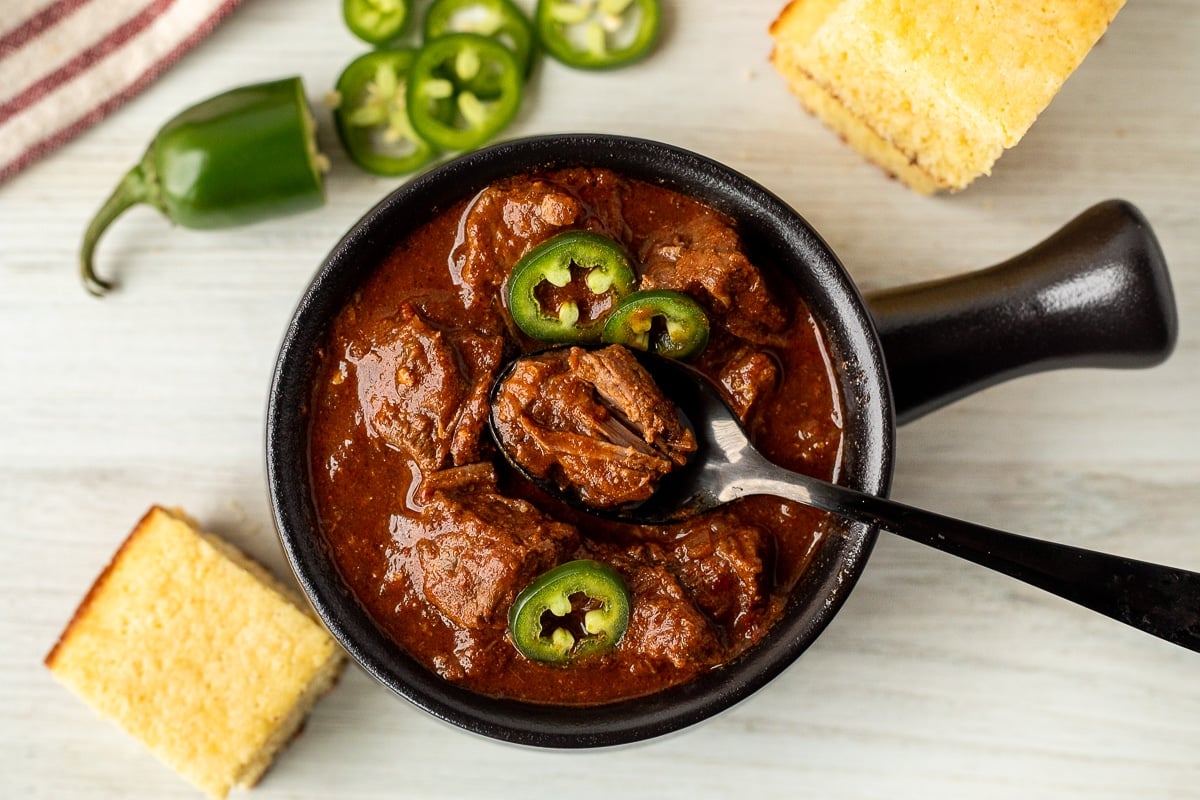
[1162, 601]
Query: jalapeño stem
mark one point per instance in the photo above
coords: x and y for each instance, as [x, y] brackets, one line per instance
[133, 189]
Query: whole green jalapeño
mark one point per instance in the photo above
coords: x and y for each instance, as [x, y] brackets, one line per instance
[562, 290]
[575, 610]
[242, 156]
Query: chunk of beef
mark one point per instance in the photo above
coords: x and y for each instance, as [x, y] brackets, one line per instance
[723, 563]
[511, 217]
[603, 193]
[665, 627]
[505, 221]
[480, 357]
[594, 422]
[473, 550]
[480, 476]
[747, 377]
[424, 391]
[703, 257]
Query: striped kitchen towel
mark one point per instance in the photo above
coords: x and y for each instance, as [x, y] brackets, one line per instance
[66, 64]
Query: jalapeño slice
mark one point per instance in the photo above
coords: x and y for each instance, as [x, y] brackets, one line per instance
[497, 19]
[577, 609]
[463, 89]
[598, 34]
[660, 321]
[376, 22]
[372, 114]
[575, 314]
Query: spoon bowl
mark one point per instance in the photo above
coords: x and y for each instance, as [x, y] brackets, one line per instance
[1162, 601]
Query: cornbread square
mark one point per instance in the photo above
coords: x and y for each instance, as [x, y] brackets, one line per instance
[934, 90]
[197, 651]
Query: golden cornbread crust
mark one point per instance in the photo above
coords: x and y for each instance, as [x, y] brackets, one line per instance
[196, 651]
[824, 105]
[933, 91]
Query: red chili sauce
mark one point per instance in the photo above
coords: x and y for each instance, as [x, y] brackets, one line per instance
[436, 536]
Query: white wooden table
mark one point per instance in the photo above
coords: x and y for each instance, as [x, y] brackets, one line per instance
[938, 680]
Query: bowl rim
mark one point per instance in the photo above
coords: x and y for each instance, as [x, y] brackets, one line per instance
[754, 208]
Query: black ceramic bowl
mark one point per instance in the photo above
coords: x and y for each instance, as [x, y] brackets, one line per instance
[1096, 293]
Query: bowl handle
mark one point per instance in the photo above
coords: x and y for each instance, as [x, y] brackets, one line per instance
[1094, 294]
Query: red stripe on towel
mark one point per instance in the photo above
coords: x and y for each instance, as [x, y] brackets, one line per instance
[65, 134]
[43, 20]
[126, 31]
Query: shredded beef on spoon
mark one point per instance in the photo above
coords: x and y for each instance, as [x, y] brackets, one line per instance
[593, 422]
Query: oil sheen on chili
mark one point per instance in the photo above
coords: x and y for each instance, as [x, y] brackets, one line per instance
[436, 536]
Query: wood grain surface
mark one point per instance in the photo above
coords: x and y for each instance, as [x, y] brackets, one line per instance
[938, 679]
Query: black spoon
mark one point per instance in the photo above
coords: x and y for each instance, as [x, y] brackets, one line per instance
[1162, 601]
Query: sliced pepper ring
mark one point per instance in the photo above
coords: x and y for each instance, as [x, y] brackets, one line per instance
[608, 273]
[575, 610]
[497, 19]
[376, 22]
[463, 89]
[660, 321]
[598, 34]
[372, 114]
